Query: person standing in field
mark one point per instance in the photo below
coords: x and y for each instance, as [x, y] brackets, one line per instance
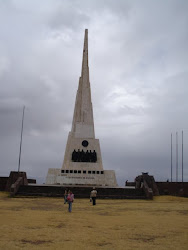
[65, 196]
[70, 199]
[93, 195]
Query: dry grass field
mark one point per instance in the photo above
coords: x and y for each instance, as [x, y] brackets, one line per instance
[44, 223]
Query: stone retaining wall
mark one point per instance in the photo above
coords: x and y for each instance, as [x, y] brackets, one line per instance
[81, 192]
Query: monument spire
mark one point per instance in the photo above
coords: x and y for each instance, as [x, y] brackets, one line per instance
[83, 111]
[85, 68]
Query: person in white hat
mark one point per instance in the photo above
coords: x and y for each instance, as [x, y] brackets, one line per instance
[93, 195]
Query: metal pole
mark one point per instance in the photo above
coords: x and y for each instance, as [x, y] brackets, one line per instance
[182, 155]
[171, 157]
[21, 140]
[176, 156]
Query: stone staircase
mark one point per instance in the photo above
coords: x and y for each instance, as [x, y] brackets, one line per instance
[81, 191]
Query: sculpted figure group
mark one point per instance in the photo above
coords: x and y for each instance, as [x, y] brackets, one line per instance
[81, 156]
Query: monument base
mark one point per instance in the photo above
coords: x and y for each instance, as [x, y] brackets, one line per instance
[94, 178]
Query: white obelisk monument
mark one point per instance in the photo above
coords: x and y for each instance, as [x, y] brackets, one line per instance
[82, 161]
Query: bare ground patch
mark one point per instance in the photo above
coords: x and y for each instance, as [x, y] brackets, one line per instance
[102, 244]
[36, 242]
[61, 225]
[146, 238]
[184, 212]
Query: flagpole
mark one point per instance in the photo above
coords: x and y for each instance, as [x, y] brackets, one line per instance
[21, 140]
[171, 157]
[176, 156]
[182, 155]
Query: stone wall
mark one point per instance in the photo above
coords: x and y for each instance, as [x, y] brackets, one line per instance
[173, 188]
[81, 192]
[3, 182]
[169, 188]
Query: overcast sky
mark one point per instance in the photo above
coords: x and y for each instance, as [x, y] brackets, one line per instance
[138, 59]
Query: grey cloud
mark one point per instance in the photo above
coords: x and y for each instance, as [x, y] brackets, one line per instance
[137, 47]
[68, 16]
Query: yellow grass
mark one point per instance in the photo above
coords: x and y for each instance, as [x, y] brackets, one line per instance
[44, 223]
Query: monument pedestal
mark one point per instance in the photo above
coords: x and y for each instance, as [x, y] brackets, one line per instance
[95, 178]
